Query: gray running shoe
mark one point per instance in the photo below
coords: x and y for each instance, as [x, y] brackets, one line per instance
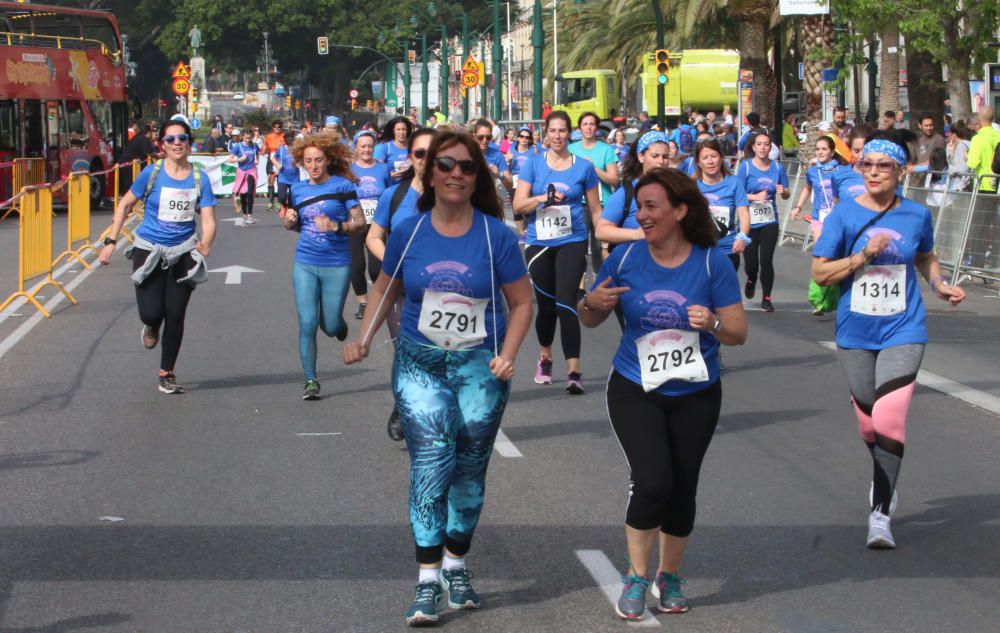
[461, 595]
[427, 604]
[667, 589]
[879, 532]
[149, 336]
[632, 603]
[311, 391]
[168, 384]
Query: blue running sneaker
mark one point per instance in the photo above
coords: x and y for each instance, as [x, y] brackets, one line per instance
[632, 603]
[427, 604]
[667, 589]
[461, 595]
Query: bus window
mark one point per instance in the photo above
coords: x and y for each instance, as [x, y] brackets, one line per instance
[57, 25]
[8, 130]
[119, 123]
[74, 125]
[100, 111]
[100, 29]
[34, 128]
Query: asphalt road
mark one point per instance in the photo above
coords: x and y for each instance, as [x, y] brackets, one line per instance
[237, 507]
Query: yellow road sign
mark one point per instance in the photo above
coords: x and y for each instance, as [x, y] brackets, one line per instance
[181, 86]
[470, 64]
[470, 79]
[181, 71]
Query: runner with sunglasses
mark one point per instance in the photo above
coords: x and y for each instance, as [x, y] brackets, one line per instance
[326, 213]
[763, 180]
[168, 258]
[873, 246]
[397, 203]
[467, 309]
[491, 153]
[551, 190]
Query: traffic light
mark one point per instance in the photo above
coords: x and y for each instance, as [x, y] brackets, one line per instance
[323, 45]
[662, 57]
[354, 104]
[288, 102]
[368, 103]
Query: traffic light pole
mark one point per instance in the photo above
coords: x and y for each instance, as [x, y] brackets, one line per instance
[443, 75]
[497, 64]
[661, 90]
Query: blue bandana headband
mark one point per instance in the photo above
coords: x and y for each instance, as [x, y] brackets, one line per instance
[890, 149]
[332, 120]
[364, 133]
[648, 139]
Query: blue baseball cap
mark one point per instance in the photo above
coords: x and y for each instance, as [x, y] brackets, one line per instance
[332, 120]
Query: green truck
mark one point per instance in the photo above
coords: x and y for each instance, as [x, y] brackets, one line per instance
[700, 79]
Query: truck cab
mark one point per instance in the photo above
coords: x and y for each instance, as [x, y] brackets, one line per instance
[596, 91]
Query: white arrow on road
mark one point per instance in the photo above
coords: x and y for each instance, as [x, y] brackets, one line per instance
[233, 220]
[234, 274]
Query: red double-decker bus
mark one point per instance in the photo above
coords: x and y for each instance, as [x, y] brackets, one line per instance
[62, 91]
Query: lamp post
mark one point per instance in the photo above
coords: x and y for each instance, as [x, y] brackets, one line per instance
[465, 55]
[538, 42]
[497, 63]
[661, 93]
[424, 78]
[443, 74]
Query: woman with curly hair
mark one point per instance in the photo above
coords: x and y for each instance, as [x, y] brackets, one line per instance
[325, 211]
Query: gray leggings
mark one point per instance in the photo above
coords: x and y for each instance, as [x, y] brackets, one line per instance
[869, 373]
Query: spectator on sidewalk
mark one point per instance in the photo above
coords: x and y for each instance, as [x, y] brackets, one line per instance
[888, 120]
[980, 160]
[900, 123]
[215, 143]
[840, 125]
[928, 141]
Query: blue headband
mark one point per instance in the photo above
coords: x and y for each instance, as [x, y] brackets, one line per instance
[361, 133]
[890, 149]
[333, 120]
[648, 139]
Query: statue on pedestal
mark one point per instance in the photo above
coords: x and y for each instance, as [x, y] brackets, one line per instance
[195, 36]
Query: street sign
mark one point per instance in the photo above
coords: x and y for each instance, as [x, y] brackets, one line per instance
[195, 124]
[399, 91]
[470, 78]
[181, 72]
[470, 64]
[353, 93]
[181, 86]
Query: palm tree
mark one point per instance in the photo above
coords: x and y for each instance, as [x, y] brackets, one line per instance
[816, 38]
[754, 18]
[888, 76]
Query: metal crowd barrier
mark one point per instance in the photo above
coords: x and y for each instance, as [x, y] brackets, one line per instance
[78, 219]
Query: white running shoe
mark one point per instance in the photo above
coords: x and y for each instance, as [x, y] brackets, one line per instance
[892, 504]
[879, 533]
[250, 220]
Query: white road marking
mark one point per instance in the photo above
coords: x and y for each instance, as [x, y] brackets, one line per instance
[234, 274]
[316, 434]
[505, 447]
[609, 580]
[949, 387]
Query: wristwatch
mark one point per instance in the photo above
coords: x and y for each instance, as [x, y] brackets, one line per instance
[110, 241]
[718, 325]
[586, 305]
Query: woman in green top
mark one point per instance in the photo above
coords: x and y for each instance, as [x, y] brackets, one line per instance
[605, 161]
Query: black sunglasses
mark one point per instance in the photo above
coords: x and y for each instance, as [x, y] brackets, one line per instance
[483, 137]
[524, 136]
[419, 154]
[179, 138]
[447, 164]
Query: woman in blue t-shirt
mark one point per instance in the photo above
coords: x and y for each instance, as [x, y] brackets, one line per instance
[681, 300]
[168, 258]
[287, 170]
[550, 192]
[873, 246]
[819, 185]
[763, 180]
[397, 203]
[848, 183]
[459, 265]
[727, 200]
[245, 155]
[373, 178]
[325, 212]
[618, 224]
[394, 148]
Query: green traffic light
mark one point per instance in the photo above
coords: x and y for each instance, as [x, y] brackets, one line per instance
[663, 79]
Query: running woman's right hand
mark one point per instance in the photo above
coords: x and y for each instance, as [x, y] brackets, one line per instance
[604, 298]
[105, 254]
[354, 352]
[876, 245]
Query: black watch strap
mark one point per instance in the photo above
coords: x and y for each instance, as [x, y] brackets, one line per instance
[108, 240]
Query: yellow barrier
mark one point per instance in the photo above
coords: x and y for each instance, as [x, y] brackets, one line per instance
[35, 248]
[28, 172]
[77, 219]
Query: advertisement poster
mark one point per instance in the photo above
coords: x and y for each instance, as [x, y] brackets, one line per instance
[977, 92]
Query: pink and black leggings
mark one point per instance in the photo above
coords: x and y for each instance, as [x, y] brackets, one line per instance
[881, 384]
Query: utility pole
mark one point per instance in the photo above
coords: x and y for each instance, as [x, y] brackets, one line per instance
[497, 64]
[424, 78]
[267, 70]
[465, 56]
[443, 74]
[538, 42]
[661, 90]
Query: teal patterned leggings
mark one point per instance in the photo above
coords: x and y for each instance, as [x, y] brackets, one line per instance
[450, 405]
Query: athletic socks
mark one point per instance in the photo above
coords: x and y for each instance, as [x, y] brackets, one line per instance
[429, 574]
[884, 476]
[451, 564]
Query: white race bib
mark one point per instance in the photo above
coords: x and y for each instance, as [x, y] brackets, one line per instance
[368, 206]
[720, 214]
[177, 205]
[761, 213]
[879, 290]
[514, 178]
[452, 321]
[823, 213]
[670, 355]
[553, 222]
[400, 165]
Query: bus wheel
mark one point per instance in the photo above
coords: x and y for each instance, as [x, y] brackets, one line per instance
[96, 186]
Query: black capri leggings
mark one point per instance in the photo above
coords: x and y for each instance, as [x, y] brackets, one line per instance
[162, 300]
[664, 440]
[361, 259]
[760, 254]
[555, 275]
[246, 199]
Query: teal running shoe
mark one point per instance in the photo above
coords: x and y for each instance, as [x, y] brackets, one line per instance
[667, 589]
[632, 603]
[427, 604]
[461, 595]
